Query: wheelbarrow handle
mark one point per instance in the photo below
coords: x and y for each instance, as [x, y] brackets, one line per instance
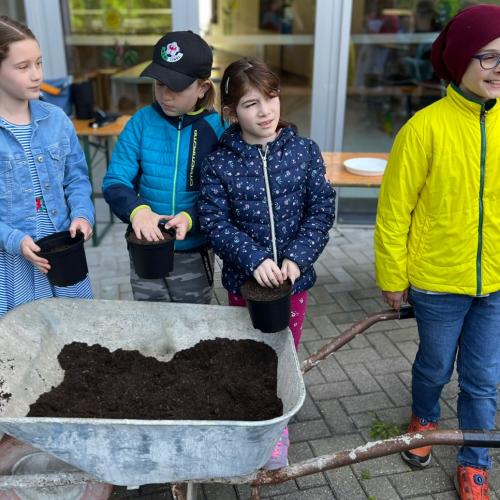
[482, 439]
[360, 326]
[375, 449]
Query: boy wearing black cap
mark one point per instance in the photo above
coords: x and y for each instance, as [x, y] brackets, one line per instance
[154, 171]
[437, 238]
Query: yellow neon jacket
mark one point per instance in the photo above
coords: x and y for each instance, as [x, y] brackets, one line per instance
[438, 218]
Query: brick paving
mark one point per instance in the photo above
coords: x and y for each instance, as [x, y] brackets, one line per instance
[365, 383]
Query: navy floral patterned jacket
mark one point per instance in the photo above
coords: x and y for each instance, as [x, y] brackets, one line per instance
[248, 194]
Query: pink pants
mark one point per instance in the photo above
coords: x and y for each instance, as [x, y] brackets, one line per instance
[297, 316]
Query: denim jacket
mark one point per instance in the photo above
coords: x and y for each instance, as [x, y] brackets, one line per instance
[62, 171]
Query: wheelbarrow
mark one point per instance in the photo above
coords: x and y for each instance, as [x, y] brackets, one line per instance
[185, 452]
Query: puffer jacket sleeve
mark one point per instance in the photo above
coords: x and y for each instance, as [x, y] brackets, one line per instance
[231, 244]
[119, 182]
[403, 180]
[318, 217]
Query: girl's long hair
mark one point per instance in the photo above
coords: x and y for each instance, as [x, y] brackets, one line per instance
[208, 100]
[12, 31]
[244, 74]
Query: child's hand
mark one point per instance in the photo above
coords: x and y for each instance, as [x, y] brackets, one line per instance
[145, 224]
[395, 299]
[290, 270]
[268, 274]
[181, 224]
[82, 225]
[29, 250]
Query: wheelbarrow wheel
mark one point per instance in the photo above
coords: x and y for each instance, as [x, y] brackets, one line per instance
[17, 458]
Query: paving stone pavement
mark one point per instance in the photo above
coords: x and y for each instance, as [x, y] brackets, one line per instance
[363, 387]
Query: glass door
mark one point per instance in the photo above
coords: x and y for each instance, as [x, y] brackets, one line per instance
[389, 78]
[110, 42]
[281, 32]
[390, 74]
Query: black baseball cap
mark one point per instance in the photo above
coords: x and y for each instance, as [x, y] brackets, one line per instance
[180, 58]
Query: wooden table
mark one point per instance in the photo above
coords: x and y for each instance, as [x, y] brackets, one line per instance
[337, 174]
[101, 141]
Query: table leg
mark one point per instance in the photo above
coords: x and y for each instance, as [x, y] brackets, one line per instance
[96, 238]
[88, 157]
[336, 206]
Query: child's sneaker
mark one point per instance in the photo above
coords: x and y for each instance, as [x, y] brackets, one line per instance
[279, 456]
[419, 457]
[472, 483]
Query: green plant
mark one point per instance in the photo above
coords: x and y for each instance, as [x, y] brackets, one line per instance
[372, 497]
[383, 430]
[120, 55]
[365, 475]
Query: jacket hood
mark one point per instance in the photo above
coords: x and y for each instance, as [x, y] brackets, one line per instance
[232, 140]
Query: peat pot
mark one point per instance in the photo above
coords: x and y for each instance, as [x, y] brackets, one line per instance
[152, 259]
[269, 308]
[66, 256]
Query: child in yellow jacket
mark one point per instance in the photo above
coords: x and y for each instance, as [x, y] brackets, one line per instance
[437, 237]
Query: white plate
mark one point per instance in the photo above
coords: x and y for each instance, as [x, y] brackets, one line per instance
[365, 166]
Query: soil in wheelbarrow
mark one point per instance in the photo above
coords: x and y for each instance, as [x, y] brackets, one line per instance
[220, 379]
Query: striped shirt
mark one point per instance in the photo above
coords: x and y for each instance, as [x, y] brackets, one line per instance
[20, 280]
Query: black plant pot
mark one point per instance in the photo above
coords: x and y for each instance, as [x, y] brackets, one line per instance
[269, 308]
[66, 256]
[152, 259]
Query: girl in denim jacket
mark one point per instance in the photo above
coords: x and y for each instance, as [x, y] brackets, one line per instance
[44, 185]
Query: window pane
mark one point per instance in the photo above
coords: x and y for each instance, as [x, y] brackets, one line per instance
[13, 9]
[390, 78]
[279, 32]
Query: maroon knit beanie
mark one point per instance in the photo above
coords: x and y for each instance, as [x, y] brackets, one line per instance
[463, 36]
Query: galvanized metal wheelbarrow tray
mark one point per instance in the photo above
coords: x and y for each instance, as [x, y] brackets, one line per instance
[134, 452]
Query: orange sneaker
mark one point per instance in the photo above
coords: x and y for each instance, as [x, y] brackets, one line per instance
[472, 483]
[419, 457]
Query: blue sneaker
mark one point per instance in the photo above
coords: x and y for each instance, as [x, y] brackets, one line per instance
[279, 456]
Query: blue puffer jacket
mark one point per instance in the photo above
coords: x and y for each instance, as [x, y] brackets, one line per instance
[157, 161]
[235, 213]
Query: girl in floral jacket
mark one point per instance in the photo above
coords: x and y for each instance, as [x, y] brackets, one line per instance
[265, 203]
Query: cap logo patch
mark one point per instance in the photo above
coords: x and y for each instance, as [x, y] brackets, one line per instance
[171, 53]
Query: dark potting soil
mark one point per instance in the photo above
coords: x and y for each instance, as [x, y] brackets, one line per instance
[219, 379]
[253, 291]
[168, 235]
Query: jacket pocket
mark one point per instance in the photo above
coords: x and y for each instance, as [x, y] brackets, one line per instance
[6, 178]
[58, 154]
[424, 233]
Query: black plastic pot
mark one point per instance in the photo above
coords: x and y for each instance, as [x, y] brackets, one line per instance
[152, 260]
[66, 256]
[269, 316]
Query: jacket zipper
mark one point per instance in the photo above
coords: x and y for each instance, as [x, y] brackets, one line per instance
[481, 191]
[269, 202]
[179, 124]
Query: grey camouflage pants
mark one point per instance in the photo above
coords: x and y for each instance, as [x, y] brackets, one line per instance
[191, 280]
